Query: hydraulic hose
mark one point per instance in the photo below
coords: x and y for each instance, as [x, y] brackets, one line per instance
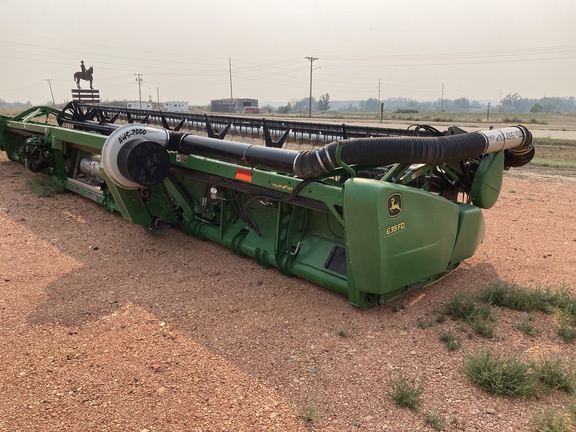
[516, 140]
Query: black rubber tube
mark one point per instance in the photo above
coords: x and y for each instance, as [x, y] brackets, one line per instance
[521, 155]
[363, 151]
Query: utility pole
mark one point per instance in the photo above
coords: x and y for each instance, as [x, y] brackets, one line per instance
[378, 92]
[312, 59]
[51, 92]
[158, 97]
[230, 68]
[139, 79]
[442, 103]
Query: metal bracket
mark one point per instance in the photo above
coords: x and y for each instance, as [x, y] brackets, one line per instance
[339, 161]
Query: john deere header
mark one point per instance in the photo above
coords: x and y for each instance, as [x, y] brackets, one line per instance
[370, 218]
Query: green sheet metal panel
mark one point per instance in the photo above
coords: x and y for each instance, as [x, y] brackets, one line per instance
[396, 236]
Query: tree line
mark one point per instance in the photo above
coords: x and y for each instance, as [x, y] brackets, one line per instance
[5, 104]
[511, 103]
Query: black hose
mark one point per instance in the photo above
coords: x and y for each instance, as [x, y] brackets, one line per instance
[361, 151]
[521, 155]
[389, 150]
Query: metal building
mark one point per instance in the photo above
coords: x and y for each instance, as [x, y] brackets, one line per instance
[232, 105]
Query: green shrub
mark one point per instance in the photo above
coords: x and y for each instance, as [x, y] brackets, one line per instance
[513, 296]
[479, 316]
[566, 303]
[567, 332]
[406, 393]
[572, 412]
[550, 420]
[501, 375]
[452, 342]
[434, 419]
[552, 373]
[527, 326]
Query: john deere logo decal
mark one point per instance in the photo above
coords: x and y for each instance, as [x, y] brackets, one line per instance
[394, 205]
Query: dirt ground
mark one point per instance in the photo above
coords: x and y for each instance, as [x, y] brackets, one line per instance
[106, 328]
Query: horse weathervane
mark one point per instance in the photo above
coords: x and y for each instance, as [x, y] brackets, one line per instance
[84, 74]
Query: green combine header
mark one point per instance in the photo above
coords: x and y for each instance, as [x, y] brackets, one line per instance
[370, 218]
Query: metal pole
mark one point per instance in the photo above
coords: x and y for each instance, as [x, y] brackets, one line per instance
[378, 91]
[442, 104]
[52, 93]
[139, 79]
[310, 99]
[230, 68]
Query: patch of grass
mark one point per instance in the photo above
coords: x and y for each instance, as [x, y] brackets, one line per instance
[45, 186]
[434, 419]
[424, 324]
[441, 318]
[527, 299]
[406, 393]
[572, 412]
[552, 374]
[554, 152]
[483, 327]
[461, 307]
[555, 375]
[566, 303]
[479, 316]
[513, 296]
[451, 341]
[310, 413]
[527, 326]
[511, 120]
[567, 333]
[501, 375]
[551, 420]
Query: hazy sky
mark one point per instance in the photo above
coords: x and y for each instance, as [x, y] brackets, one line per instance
[480, 49]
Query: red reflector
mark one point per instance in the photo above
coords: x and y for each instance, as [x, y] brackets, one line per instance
[244, 174]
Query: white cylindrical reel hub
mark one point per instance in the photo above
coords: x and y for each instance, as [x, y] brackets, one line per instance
[134, 156]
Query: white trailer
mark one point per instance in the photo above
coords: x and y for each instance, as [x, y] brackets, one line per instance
[176, 106]
[138, 105]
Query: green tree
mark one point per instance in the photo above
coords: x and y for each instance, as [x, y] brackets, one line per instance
[536, 108]
[323, 104]
[512, 103]
[370, 105]
[462, 103]
[285, 109]
[302, 105]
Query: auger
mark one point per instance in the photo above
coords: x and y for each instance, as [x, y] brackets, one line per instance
[370, 218]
